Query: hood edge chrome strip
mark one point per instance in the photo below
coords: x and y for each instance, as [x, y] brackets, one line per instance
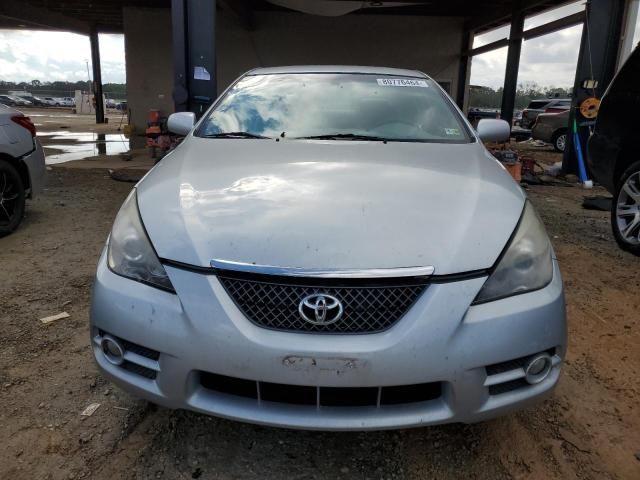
[399, 272]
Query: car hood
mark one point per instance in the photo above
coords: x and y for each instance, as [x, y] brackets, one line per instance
[330, 204]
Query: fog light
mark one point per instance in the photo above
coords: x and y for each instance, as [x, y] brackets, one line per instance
[112, 350]
[538, 368]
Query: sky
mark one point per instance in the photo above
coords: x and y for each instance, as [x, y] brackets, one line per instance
[27, 55]
[548, 61]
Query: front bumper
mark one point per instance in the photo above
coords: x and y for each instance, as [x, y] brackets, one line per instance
[35, 162]
[440, 339]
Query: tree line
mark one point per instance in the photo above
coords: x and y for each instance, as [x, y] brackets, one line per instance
[63, 89]
[487, 97]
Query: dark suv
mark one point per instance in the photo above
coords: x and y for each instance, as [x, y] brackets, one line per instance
[613, 152]
[543, 105]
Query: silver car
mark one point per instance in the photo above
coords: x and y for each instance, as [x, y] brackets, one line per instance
[22, 167]
[331, 248]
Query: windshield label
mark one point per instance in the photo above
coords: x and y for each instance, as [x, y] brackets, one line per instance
[401, 82]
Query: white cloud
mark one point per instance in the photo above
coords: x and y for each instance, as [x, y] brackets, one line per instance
[27, 55]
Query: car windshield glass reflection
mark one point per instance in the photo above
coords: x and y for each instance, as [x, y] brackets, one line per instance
[335, 107]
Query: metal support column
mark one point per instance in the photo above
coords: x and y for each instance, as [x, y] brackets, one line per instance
[194, 54]
[97, 74]
[464, 71]
[513, 63]
[597, 60]
[178, 30]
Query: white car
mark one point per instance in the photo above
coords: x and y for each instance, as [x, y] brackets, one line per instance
[57, 102]
[66, 102]
[22, 167]
[49, 101]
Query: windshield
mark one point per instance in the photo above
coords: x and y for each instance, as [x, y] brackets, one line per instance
[335, 106]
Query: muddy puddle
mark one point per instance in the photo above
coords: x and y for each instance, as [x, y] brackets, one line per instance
[79, 145]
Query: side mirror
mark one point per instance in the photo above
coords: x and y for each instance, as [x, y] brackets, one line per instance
[181, 123]
[490, 130]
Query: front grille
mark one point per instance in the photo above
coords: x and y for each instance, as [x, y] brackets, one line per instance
[140, 370]
[140, 350]
[367, 309]
[321, 396]
[508, 386]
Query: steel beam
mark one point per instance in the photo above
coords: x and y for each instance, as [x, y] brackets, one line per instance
[555, 26]
[97, 75]
[513, 63]
[489, 47]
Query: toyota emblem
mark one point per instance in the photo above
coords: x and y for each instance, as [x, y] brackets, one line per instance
[320, 309]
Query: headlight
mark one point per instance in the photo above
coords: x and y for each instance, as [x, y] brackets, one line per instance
[130, 252]
[525, 265]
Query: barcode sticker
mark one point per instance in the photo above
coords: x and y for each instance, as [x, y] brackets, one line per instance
[402, 82]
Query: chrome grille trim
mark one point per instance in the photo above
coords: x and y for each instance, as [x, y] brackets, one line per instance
[399, 272]
[367, 309]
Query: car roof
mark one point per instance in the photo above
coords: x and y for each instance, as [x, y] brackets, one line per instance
[337, 69]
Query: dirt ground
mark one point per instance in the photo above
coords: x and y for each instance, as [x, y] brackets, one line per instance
[589, 428]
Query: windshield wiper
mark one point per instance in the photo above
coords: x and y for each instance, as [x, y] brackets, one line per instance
[233, 135]
[344, 136]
